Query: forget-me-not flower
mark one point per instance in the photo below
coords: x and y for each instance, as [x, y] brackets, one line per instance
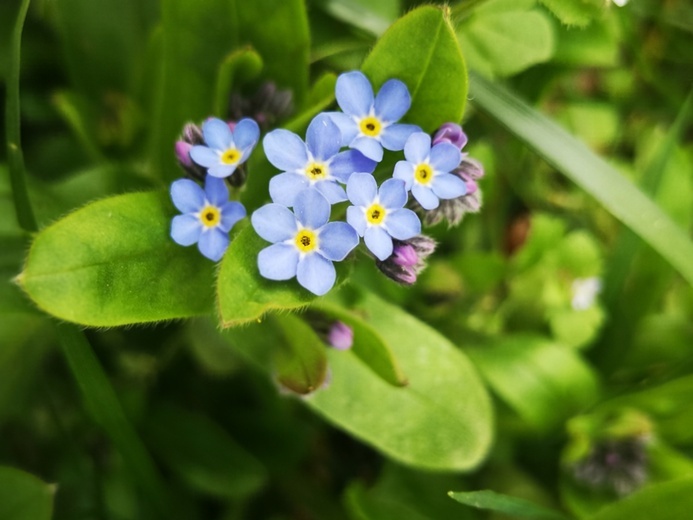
[304, 243]
[369, 124]
[379, 215]
[316, 163]
[225, 149]
[207, 217]
[426, 170]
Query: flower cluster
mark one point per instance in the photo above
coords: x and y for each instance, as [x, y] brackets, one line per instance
[334, 164]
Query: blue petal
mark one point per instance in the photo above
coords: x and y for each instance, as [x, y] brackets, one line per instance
[323, 138]
[362, 189]
[445, 157]
[417, 147]
[284, 187]
[404, 171]
[448, 186]
[285, 150]
[231, 212]
[213, 243]
[347, 126]
[332, 191]
[348, 162]
[316, 273]
[393, 101]
[336, 240]
[311, 208]
[221, 171]
[278, 262]
[356, 217]
[394, 137]
[204, 156]
[217, 134]
[403, 224]
[424, 196]
[393, 194]
[378, 242]
[369, 147]
[216, 191]
[274, 223]
[354, 94]
[246, 133]
[187, 196]
[185, 229]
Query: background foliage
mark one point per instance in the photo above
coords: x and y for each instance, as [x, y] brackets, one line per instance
[489, 379]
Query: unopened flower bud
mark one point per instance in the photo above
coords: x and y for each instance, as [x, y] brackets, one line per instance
[408, 259]
[450, 133]
[404, 255]
[191, 136]
[340, 336]
[266, 106]
[183, 154]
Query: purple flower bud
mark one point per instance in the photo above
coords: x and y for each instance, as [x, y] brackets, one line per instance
[450, 133]
[232, 125]
[183, 154]
[408, 259]
[340, 336]
[192, 134]
[404, 255]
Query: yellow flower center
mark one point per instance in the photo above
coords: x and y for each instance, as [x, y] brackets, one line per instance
[210, 216]
[306, 240]
[231, 156]
[370, 126]
[375, 214]
[423, 173]
[316, 171]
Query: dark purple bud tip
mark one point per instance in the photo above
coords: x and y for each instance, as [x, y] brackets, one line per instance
[183, 154]
[450, 133]
[405, 255]
[340, 336]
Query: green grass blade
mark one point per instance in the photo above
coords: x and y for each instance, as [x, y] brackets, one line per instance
[589, 171]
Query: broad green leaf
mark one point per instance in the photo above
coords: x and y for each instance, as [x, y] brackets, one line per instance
[421, 50]
[543, 382]
[671, 500]
[243, 63]
[575, 12]
[512, 506]
[373, 17]
[619, 196]
[113, 263]
[301, 360]
[597, 45]
[23, 496]
[506, 41]
[203, 454]
[243, 295]
[369, 345]
[441, 421]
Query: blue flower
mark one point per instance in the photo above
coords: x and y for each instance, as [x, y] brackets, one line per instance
[426, 170]
[207, 217]
[304, 243]
[379, 215]
[317, 164]
[226, 149]
[367, 124]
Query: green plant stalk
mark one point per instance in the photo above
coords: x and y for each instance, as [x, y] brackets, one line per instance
[100, 399]
[25, 215]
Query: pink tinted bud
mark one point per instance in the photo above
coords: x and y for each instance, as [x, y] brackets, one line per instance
[232, 125]
[405, 255]
[407, 275]
[340, 336]
[183, 153]
[471, 187]
[450, 133]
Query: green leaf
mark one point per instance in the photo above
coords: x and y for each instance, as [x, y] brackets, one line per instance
[543, 382]
[618, 195]
[243, 63]
[202, 454]
[301, 360]
[506, 41]
[513, 506]
[373, 17]
[441, 421]
[114, 263]
[23, 496]
[421, 50]
[243, 294]
[671, 500]
[575, 12]
[369, 345]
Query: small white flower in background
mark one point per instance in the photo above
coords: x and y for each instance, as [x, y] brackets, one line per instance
[585, 291]
[620, 3]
